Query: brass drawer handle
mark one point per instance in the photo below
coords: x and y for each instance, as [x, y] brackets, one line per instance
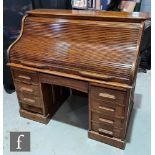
[29, 100]
[24, 77]
[106, 121]
[103, 131]
[106, 95]
[26, 89]
[107, 109]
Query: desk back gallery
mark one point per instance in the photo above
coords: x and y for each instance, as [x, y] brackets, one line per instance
[95, 52]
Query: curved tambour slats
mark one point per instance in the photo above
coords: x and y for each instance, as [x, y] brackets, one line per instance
[108, 48]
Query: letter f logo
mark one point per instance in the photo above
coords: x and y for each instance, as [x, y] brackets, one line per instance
[19, 141]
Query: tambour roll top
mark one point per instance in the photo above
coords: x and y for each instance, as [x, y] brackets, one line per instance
[71, 42]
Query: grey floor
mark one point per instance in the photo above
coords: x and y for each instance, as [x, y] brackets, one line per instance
[66, 133]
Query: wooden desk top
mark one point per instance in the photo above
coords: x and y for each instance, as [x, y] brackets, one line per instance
[90, 13]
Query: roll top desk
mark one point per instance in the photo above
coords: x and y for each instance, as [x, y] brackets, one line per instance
[95, 52]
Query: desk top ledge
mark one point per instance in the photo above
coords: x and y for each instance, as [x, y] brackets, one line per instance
[88, 13]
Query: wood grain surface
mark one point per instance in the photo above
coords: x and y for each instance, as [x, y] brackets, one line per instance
[82, 47]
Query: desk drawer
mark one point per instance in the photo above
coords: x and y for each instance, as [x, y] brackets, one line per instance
[63, 81]
[108, 108]
[32, 89]
[104, 130]
[108, 95]
[25, 76]
[29, 99]
[31, 108]
[106, 120]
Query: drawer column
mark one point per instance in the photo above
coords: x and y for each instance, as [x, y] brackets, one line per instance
[29, 94]
[108, 108]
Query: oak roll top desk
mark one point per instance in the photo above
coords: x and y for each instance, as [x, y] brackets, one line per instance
[95, 52]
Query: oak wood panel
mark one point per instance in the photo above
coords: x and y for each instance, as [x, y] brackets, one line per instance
[109, 95]
[107, 130]
[61, 44]
[62, 81]
[25, 76]
[27, 88]
[102, 118]
[108, 108]
[31, 108]
[29, 99]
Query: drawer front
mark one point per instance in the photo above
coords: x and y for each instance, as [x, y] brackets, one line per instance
[106, 120]
[107, 108]
[63, 81]
[103, 130]
[108, 95]
[29, 99]
[25, 76]
[31, 108]
[27, 88]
